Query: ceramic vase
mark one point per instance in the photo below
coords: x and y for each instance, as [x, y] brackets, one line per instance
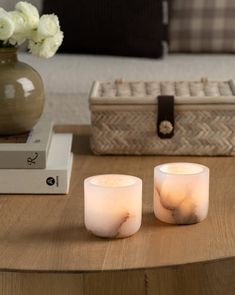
[21, 94]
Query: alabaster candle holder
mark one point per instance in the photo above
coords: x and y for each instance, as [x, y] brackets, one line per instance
[181, 192]
[113, 205]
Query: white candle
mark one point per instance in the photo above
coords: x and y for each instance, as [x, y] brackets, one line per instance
[181, 192]
[113, 205]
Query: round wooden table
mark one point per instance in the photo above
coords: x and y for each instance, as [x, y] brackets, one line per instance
[45, 249]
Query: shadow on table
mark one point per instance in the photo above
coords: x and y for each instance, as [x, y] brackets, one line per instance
[149, 220]
[63, 234]
[81, 144]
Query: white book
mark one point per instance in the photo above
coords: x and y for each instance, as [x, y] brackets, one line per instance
[54, 179]
[27, 151]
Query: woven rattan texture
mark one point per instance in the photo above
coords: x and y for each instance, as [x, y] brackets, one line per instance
[183, 89]
[196, 133]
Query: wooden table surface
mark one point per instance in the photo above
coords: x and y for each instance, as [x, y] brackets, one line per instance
[46, 233]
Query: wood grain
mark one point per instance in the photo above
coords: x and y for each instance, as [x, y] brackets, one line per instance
[211, 278]
[43, 235]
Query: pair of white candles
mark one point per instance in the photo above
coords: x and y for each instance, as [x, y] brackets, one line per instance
[113, 202]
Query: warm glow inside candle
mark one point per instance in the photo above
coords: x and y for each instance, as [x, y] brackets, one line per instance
[113, 205]
[181, 192]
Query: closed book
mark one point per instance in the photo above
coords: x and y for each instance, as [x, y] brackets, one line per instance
[54, 179]
[27, 151]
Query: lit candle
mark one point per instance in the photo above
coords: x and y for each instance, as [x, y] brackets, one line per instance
[181, 192]
[113, 205]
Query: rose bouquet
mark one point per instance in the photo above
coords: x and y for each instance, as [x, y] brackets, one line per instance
[24, 24]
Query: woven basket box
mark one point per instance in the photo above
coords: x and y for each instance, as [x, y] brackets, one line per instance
[198, 118]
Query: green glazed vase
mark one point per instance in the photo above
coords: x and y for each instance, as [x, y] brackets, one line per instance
[21, 94]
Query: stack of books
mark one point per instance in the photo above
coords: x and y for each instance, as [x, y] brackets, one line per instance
[38, 162]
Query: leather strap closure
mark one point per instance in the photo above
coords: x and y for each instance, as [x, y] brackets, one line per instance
[165, 120]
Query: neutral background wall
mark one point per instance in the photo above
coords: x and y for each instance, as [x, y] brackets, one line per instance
[10, 4]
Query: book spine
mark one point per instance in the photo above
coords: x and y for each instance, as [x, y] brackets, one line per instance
[25, 181]
[23, 159]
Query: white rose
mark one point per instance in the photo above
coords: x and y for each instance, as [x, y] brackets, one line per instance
[20, 22]
[6, 25]
[30, 12]
[17, 39]
[22, 30]
[47, 47]
[48, 25]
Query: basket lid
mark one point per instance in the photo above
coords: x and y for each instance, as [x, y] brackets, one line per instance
[121, 92]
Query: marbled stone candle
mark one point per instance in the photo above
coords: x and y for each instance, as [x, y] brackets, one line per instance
[113, 205]
[181, 192]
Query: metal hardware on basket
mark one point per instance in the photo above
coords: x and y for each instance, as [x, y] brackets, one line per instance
[165, 120]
